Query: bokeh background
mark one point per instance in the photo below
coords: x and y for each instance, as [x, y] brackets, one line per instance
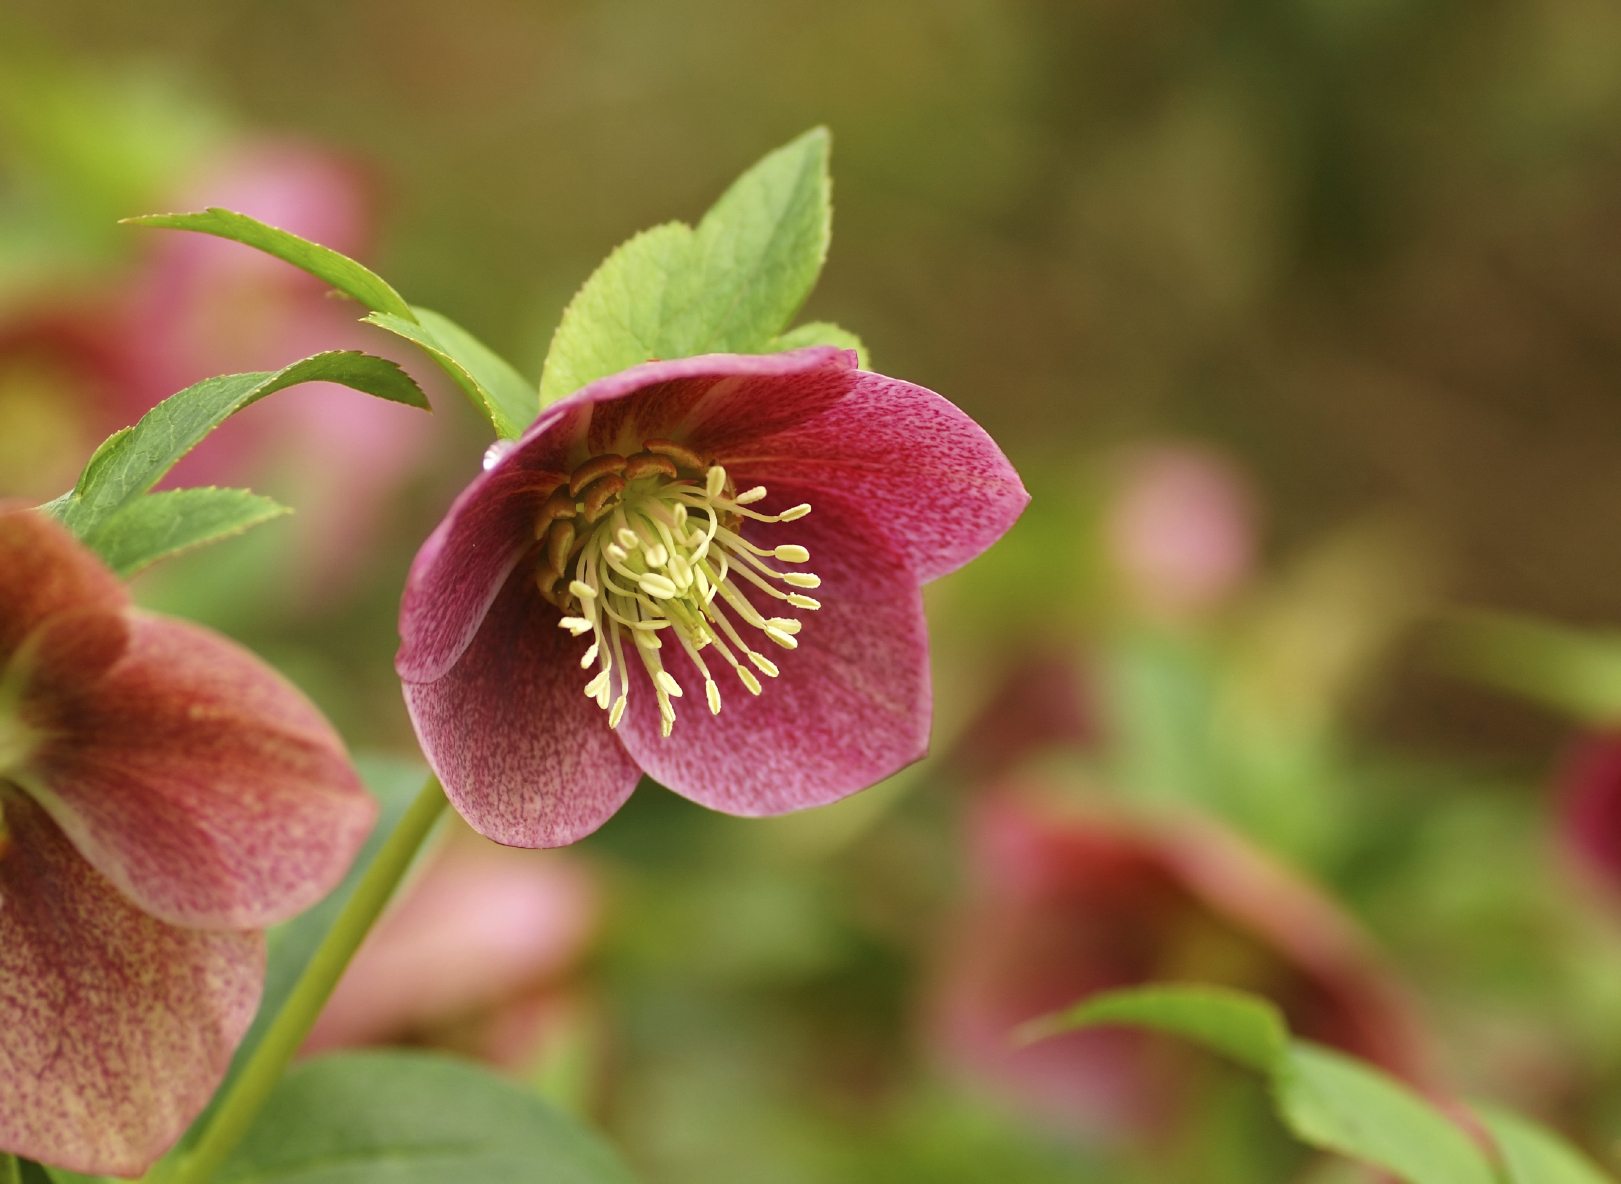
[1302, 324]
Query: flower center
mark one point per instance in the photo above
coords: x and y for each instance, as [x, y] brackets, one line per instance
[643, 549]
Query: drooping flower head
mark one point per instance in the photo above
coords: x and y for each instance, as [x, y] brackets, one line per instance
[708, 569]
[163, 796]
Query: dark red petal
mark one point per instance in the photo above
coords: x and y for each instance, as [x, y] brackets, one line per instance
[202, 783]
[115, 1028]
[462, 566]
[524, 756]
[935, 487]
[850, 707]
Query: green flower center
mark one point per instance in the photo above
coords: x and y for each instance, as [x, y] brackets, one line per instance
[641, 549]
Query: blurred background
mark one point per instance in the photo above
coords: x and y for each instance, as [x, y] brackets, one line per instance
[1300, 674]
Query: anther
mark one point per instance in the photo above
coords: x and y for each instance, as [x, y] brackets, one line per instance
[764, 665]
[801, 601]
[667, 680]
[656, 585]
[785, 640]
[749, 496]
[794, 513]
[583, 590]
[714, 481]
[802, 579]
[791, 553]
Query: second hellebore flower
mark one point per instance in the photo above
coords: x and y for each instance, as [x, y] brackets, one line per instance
[630, 587]
[163, 797]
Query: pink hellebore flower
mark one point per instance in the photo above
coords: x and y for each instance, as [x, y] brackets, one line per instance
[1067, 905]
[645, 543]
[163, 797]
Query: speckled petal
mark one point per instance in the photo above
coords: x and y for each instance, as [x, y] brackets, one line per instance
[524, 756]
[115, 1028]
[936, 488]
[850, 707]
[465, 561]
[200, 782]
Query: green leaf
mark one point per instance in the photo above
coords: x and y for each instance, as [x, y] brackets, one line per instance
[1531, 1154]
[1326, 1099]
[1338, 1104]
[1236, 1025]
[327, 265]
[731, 285]
[496, 389]
[413, 1118]
[823, 333]
[155, 526]
[394, 783]
[132, 460]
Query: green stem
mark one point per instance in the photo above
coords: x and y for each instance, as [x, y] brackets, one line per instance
[247, 1095]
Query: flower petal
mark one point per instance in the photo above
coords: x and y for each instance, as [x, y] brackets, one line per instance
[44, 570]
[706, 396]
[114, 1027]
[850, 707]
[459, 570]
[524, 756]
[932, 483]
[201, 783]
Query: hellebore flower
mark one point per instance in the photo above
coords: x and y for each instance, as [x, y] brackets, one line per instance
[1066, 905]
[646, 543]
[163, 796]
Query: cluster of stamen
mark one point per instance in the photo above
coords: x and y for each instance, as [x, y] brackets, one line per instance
[636, 550]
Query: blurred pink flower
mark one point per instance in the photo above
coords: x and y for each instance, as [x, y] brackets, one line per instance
[1180, 529]
[1066, 905]
[630, 532]
[163, 796]
[1589, 787]
[475, 957]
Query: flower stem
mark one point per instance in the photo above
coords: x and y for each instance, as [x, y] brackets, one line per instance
[248, 1093]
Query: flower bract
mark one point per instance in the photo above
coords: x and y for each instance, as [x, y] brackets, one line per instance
[706, 569]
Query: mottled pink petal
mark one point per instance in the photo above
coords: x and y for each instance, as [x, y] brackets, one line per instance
[937, 489]
[524, 756]
[114, 1027]
[712, 396]
[850, 707]
[45, 570]
[466, 560]
[201, 783]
